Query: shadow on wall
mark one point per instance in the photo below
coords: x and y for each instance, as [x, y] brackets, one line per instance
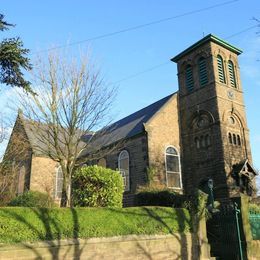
[53, 227]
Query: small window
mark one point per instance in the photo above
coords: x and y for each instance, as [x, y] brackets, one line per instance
[58, 183]
[231, 72]
[202, 141]
[234, 139]
[189, 78]
[238, 140]
[230, 138]
[123, 165]
[197, 142]
[173, 173]
[203, 77]
[207, 140]
[221, 73]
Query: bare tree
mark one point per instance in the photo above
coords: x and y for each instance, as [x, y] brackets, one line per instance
[72, 101]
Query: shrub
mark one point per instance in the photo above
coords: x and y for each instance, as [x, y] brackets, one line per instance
[35, 224]
[95, 186]
[33, 199]
[158, 197]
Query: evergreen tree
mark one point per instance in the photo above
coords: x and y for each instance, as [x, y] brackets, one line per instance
[13, 58]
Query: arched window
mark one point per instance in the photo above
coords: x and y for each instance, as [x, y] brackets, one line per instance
[231, 72]
[58, 183]
[189, 78]
[234, 139]
[202, 141]
[221, 73]
[197, 142]
[102, 162]
[203, 77]
[123, 165]
[238, 140]
[230, 138]
[173, 172]
[21, 180]
[207, 140]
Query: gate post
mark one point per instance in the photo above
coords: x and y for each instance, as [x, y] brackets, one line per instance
[237, 211]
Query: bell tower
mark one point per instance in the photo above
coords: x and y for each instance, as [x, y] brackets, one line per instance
[214, 133]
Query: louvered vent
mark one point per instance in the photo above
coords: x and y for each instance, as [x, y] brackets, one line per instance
[221, 74]
[189, 78]
[231, 72]
[203, 72]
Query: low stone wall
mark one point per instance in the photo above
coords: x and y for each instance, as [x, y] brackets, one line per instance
[177, 246]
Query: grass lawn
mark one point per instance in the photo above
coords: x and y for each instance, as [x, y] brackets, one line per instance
[35, 224]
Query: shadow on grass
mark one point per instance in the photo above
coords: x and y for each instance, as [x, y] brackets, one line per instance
[50, 228]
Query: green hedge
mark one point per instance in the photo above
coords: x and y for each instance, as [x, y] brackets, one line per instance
[95, 186]
[33, 199]
[35, 224]
[154, 197]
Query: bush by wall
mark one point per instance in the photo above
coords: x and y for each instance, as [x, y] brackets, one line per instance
[33, 199]
[34, 224]
[95, 186]
[158, 197]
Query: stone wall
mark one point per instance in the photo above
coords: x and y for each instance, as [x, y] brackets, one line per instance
[163, 131]
[176, 246]
[138, 162]
[43, 173]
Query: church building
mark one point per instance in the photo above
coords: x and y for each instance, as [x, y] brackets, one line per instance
[181, 141]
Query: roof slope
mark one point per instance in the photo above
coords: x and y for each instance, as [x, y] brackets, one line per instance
[133, 124]
[41, 142]
[40, 137]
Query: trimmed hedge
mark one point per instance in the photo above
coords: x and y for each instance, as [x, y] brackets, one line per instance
[95, 186]
[35, 224]
[33, 199]
[155, 197]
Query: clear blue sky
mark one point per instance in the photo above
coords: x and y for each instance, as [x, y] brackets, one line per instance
[44, 24]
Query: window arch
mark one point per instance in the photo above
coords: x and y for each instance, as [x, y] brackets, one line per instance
[234, 139]
[238, 140]
[189, 78]
[58, 183]
[202, 141]
[203, 77]
[123, 166]
[221, 73]
[230, 138]
[21, 180]
[173, 172]
[208, 142]
[197, 142]
[231, 72]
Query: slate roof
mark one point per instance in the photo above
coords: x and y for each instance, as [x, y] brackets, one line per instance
[124, 128]
[37, 134]
[133, 124]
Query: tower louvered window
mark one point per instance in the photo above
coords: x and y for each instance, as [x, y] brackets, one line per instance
[221, 74]
[189, 78]
[203, 77]
[231, 72]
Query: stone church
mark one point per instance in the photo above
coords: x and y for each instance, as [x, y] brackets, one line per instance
[179, 142]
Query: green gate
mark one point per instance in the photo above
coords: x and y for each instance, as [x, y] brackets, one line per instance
[225, 233]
